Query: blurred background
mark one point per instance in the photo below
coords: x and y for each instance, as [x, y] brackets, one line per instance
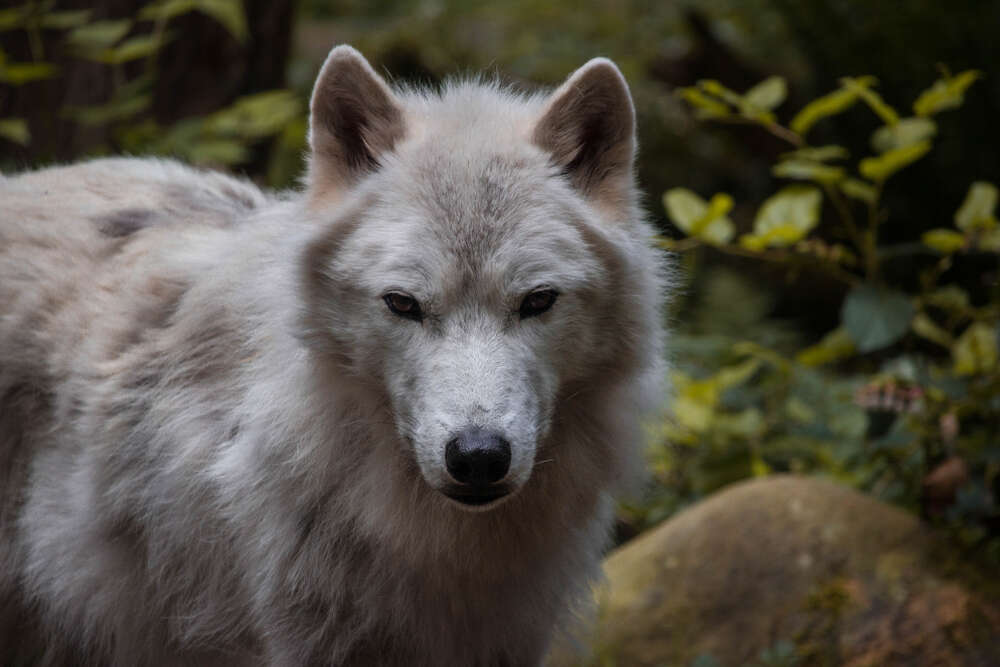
[825, 173]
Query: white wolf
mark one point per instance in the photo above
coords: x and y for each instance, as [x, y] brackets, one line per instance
[375, 423]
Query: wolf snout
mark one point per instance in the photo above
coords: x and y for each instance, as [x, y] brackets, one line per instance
[477, 460]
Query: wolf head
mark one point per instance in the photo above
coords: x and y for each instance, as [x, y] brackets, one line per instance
[481, 263]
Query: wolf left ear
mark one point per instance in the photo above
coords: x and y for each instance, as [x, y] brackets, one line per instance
[354, 120]
[588, 126]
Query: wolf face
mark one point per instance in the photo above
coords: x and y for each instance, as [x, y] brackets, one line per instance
[471, 260]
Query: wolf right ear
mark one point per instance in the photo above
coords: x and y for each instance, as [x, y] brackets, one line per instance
[354, 119]
[588, 127]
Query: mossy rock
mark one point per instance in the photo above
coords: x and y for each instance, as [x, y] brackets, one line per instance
[792, 571]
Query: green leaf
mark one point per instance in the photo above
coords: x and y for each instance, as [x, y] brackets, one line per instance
[229, 13]
[217, 152]
[789, 215]
[692, 215]
[989, 240]
[716, 89]
[876, 318]
[705, 106]
[117, 109]
[946, 93]
[258, 115]
[65, 20]
[13, 18]
[167, 9]
[732, 376]
[885, 165]
[834, 346]
[831, 104]
[975, 351]
[99, 35]
[16, 74]
[807, 170]
[945, 241]
[949, 297]
[131, 49]
[978, 209]
[925, 327]
[15, 130]
[859, 190]
[817, 154]
[904, 133]
[765, 96]
[872, 99]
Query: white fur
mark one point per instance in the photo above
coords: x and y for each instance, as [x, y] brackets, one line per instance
[218, 446]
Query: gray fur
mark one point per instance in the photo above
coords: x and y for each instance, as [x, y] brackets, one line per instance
[218, 446]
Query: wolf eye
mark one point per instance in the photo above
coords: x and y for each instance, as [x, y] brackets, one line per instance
[537, 302]
[403, 305]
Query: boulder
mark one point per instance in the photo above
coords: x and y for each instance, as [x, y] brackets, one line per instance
[789, 570]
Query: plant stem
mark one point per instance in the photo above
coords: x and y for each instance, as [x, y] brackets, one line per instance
[870, 248]
[786, 257]
[775, 129]
[844, 211]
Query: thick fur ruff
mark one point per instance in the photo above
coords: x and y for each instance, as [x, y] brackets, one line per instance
[217, 444]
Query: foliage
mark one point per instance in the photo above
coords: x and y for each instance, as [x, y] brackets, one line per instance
[131, 48]
[906, 387]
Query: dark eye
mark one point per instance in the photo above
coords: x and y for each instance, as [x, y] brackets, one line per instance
[403, 305]
[537, 302]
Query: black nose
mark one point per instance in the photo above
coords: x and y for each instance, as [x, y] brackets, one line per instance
[477, 457]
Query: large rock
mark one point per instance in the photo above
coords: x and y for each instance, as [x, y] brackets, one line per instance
[794, 565]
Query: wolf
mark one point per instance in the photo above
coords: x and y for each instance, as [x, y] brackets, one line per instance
[379, 420]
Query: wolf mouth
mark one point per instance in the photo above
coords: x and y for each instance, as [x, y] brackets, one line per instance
[476, 497]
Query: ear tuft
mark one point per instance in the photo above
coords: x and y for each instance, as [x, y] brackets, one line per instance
[588, 126]
[354, 119]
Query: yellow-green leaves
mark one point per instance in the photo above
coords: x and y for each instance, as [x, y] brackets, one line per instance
[16, 74]
[927, 328]
[705, 106]
[862, 89]
[762, 98]
[704, 220]
[785, 218]
[978, 211]
[830, 104]
[882, 167]
[834, 346]
[976, 217]
[16, 130]
[859, 190]
[696, 400]
[807, 164]
[711, 99]
[99, 35]
[975, 351]
[807, 170]
[876, 318]
[227, 12]
[905, 132]
[945, 241]
[66, 19]
[947, 92]
[818, 153]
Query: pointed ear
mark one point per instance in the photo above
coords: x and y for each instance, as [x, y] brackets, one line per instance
[588, 126]
[354, 120]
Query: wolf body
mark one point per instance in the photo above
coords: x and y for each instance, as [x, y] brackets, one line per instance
[227, 417]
